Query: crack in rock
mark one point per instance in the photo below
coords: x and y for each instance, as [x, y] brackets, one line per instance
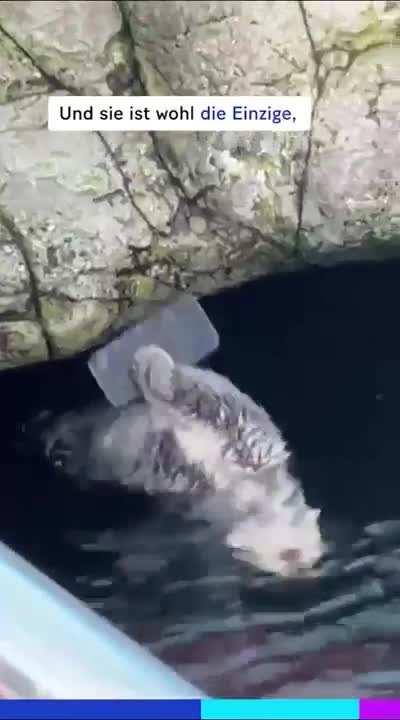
[19, 241]
[164, 164]
[319, 85]
[56, 84]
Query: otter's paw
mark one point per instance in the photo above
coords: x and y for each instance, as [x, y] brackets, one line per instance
[254, 449]
[152, 371]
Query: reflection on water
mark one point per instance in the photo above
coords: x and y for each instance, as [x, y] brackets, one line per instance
[322, 355]
[238, 634]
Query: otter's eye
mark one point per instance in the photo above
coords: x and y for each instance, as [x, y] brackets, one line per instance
[295, 497]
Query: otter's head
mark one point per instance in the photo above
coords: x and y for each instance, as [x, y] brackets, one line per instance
[278, 545]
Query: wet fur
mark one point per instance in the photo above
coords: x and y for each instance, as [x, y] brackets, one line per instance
[194, 434]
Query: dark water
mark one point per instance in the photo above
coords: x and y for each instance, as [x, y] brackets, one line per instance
[321, 351]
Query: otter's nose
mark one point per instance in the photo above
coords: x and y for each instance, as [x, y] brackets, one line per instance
[291, 556]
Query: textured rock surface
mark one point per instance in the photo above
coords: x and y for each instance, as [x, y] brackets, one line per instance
[95, 226]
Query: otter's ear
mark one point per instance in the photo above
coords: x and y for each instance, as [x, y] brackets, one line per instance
[313, 515]
[182, 329]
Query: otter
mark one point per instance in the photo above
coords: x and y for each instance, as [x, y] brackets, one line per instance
[192, 433]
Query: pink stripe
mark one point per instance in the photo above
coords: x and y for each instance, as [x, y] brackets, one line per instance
[379, 709]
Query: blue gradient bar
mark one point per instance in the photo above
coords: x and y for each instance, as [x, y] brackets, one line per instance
[100, 709]
[280, 709]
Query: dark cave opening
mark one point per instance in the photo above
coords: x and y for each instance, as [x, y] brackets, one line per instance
[320, 351]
